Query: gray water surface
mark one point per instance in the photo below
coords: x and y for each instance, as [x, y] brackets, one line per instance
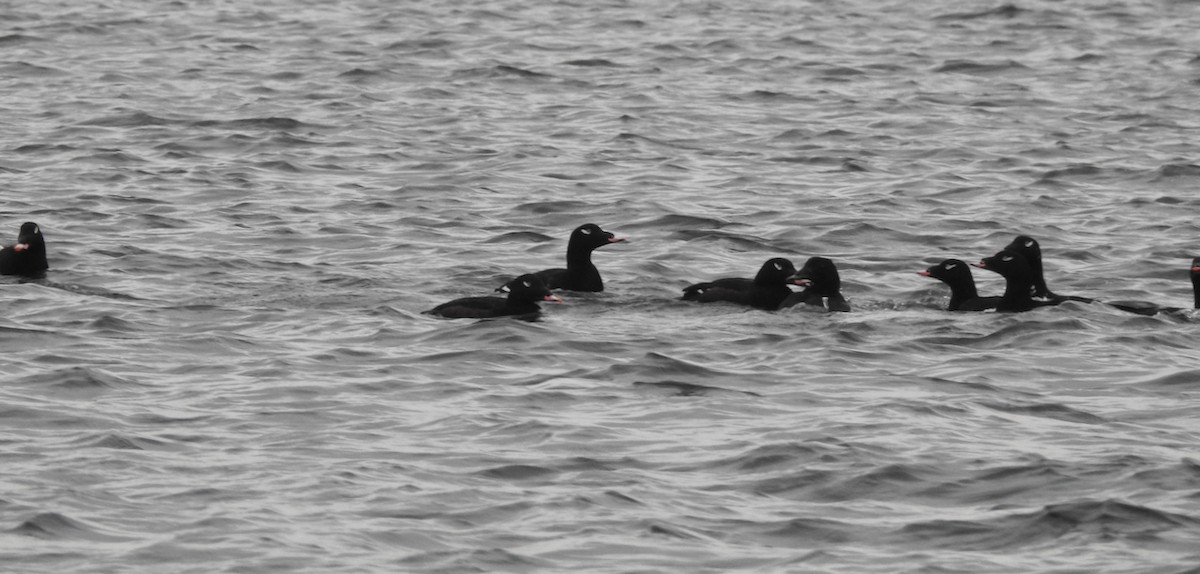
[249, 204]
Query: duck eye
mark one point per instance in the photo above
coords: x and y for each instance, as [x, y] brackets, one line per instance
[778, 267]
[526, 284]
[585, 231]
[950, 266]
[1029, 243]
[1006, 258]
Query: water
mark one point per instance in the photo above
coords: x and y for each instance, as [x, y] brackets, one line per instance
[248, 205]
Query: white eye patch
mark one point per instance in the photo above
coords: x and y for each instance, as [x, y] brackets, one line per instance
[527, 284]
[950, 266]
[778, 267]
[586, 231]
[1029, 243]
[1006, 258]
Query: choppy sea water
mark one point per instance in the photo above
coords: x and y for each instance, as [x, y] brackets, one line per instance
[249, 204]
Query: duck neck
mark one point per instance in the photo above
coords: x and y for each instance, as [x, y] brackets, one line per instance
[1037, 278]
[38, 249]
[962, 292]
[582, 271]
[1017, 293]
[35, 253]
[578, 254]
[828, 288]
[1196, 290]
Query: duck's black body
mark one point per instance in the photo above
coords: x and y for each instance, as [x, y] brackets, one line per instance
[27, 257]
[524, 292]
[963, 295]
[767, 290]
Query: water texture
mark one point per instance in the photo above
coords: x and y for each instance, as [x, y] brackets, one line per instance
[249, 204]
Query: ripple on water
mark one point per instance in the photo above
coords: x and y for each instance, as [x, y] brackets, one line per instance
[249, 208]
[56, 526]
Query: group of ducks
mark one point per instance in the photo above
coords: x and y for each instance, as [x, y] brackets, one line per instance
[1019, 262]
[769, 289]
